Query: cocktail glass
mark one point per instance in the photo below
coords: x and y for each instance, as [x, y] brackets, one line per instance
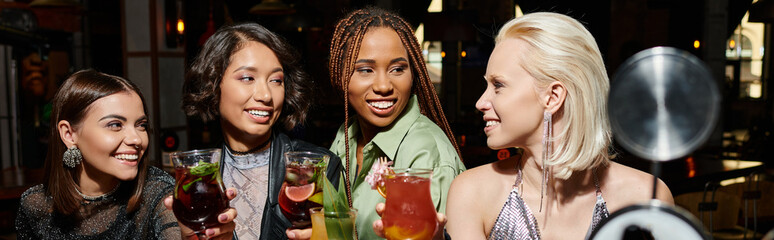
[302, 188]
[199, 192]
[346, 220]
[409, 212]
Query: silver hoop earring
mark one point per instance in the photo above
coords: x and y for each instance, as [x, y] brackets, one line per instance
[72, 157]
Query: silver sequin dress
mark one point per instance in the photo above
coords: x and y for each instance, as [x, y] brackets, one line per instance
[516, 221]
[105, 218]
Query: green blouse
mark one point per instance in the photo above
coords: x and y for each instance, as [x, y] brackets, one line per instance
[412, 141]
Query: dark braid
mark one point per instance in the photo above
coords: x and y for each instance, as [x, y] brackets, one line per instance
[345, 47]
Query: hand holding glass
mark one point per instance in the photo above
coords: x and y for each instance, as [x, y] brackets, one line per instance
[409, 211]
[199, 195]
[301, 189]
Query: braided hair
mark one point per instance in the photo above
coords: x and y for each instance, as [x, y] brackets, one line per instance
[345, 47]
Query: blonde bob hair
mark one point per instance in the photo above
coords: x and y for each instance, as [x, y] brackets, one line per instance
[561, 49]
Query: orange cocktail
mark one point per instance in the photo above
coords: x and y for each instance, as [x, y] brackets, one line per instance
[409, 212]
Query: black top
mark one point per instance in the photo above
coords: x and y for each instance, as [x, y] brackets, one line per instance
[102, 219]
[274, 224]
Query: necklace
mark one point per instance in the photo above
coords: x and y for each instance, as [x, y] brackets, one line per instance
[252, 150]
[100, 197]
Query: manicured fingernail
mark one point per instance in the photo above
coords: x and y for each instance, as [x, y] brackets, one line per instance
[223, 217]
[210, 232]
[231, 192]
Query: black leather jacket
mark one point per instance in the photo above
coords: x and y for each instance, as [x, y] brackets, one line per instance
[274, 224]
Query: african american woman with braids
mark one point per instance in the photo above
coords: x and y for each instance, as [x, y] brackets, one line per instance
[377, 64]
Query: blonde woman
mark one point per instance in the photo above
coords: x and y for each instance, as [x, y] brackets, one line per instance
[546, 94]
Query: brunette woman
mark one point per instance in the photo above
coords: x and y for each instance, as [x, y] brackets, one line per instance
[251, 80]
[98, 183]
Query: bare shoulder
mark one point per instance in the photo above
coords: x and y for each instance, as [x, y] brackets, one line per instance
[475, 198]
[624, 186]
[475, 180]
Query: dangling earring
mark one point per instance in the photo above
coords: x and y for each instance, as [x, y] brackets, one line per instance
[547, 149]
[72, 157]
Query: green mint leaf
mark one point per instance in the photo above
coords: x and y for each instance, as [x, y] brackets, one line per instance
[188, 185]
[204, 169]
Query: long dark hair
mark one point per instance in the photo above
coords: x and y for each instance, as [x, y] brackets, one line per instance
[71, 103]
[201, 90]
[345, 46]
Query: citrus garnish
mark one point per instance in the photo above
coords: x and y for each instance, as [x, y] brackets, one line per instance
[382, 191]
[380, 170]
[382, 185]
[317, 198]
[396, 232]
[299, 193]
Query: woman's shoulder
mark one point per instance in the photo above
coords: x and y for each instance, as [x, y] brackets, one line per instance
[621, 177]
[423, 126]
[34, 191]
[480, 188]
[435, 150]
[157, 175]
[35, 199]
[425, 134]
[158, 183]
[471, 180]
[624, 185]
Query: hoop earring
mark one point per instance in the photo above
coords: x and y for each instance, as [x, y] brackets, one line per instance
[72, 157]
[547, 150]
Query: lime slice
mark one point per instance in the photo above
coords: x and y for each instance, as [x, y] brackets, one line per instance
[317, 198]
[299, 193]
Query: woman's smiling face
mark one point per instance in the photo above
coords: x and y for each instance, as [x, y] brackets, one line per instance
[113, 136]
[511, 105]
[252, 92]
[380, 86]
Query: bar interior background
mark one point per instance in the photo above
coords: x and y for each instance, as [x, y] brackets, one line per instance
[151, 42]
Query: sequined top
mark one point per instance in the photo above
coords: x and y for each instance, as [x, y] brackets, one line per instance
[517, 222]
[249, 174]
[102, 219]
